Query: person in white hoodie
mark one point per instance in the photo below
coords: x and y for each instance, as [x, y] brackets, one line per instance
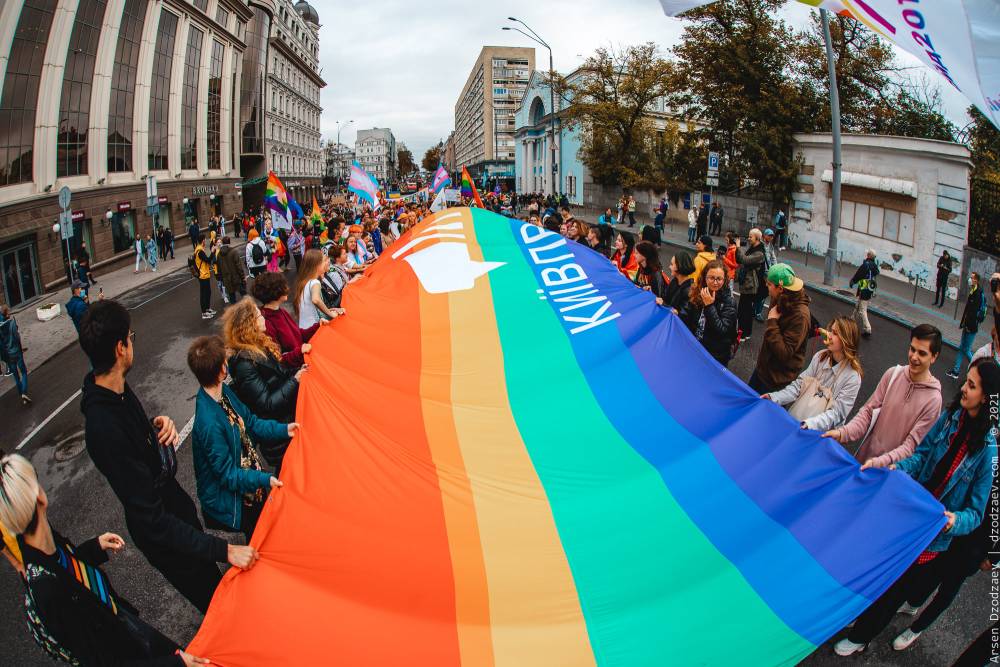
[257, 254]
[906, 403]
[836, 368]
[692, 222]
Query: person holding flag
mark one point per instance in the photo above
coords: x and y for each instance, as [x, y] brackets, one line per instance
[469, 188]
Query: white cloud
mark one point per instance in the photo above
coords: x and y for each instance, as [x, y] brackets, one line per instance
[402, 65]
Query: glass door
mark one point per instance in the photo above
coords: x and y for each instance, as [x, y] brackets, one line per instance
[20, 274]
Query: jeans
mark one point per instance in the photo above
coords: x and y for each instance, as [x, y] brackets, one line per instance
[878, 616]
[758, 306]
[139, 257]
[941, 291]
[205, 288]
[964, 351]
[631, 219]
[20, 372]
[691, 231]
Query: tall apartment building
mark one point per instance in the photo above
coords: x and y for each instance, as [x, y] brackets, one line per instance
[293, 88]
[375, 150]
[484, 112]
[99, 96]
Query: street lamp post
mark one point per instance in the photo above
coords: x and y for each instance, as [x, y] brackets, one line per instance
[340, 170]
[831, 248]
[552, 94]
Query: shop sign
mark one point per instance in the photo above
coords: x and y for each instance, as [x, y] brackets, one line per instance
[161, 200]
[204, 189]
[78, 216]
[124, 206]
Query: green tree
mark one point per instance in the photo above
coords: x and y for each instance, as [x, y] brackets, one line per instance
[735, 75]
[404, 160]
[612, 105]
[432, 158]
[679, 160]
[983, 139]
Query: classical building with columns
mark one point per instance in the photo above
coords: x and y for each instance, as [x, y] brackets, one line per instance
[99, 96]
[293, 110]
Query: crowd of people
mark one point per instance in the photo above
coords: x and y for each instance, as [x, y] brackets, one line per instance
[249, 374]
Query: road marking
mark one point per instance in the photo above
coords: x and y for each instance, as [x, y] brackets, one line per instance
[185, 432]
[48, 419]
[153, 298]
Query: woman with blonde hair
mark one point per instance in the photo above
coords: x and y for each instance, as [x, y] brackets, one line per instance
[264, 384]
[72, 610]
[308, 301]
[824, 394]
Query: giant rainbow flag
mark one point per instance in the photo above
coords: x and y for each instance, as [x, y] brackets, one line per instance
[549, 470]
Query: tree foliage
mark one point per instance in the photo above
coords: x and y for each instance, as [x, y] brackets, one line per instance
[432, 158]
[984, 143]
[404, 161]
[611, 105]
[735, 76]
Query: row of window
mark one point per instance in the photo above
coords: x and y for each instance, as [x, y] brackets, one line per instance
[297, 82]
[292, 136]
[297, 111]
[292, 25]
[295, 165]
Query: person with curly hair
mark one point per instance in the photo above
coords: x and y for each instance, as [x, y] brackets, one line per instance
[261, 381]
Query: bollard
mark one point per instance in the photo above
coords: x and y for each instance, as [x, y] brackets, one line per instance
[807, 254]
[916, 282]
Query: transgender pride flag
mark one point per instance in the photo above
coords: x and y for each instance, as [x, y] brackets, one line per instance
[441, 179]
[363, 185]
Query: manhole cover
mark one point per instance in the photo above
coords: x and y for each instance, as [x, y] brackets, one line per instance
[70, 447]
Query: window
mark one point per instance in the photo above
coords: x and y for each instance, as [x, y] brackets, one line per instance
[200, 4]
[20, 91]
[123, 231]
[241, 29]
[222, 17]
[120, 110]
[234, 110]
[215, 106]
[189, 100]
[78, 79]
[882, 215]
[159, 102]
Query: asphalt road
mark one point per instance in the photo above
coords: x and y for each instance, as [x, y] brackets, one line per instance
[165, 319]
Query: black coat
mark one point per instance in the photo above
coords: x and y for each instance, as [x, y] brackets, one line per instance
[678, 295]
[83, 625]
[160, 515]
[720, 325]
[269, 389]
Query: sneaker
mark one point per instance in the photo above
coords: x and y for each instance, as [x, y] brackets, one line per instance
[207, 316]
[846, 647]
[25, 399]
[953, 375]
[907, 609]
[211, 310]
[905, 638]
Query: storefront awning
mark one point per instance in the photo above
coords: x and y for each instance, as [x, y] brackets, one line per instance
[883, 183]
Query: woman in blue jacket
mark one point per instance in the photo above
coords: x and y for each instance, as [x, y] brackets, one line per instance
[232, 484]
[954, 462]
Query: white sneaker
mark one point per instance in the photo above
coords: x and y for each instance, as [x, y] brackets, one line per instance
[905, 638]
[907, 609]
[846, 647]
[211, 310]
[207, 316]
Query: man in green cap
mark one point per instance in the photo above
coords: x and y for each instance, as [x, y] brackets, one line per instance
[783, 352]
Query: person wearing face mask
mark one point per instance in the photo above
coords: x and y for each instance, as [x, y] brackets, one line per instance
[710, 313]
[972, 317]
[903, 407]
[232, 485]
[954, 462]
[824, 394]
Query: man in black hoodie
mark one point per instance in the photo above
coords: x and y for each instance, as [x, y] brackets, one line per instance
[136, 455]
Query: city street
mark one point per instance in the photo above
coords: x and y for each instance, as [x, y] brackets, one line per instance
[166, 319]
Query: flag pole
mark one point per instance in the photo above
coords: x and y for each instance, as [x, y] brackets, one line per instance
[831, 246]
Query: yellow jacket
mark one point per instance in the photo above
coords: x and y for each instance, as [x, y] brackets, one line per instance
[204, 268]
[700, 260]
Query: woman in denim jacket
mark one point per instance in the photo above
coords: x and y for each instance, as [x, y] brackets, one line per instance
[954, 462]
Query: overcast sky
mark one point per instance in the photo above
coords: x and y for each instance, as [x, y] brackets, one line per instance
[402, 65]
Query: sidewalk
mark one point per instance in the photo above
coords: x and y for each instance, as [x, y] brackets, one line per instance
[894, 299]
[43, 340]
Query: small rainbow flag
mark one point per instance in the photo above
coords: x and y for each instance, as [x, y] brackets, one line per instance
[480, 523]
[469, 188]
[276, 199]
[316, 217]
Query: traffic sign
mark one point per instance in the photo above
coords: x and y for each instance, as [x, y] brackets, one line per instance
[151, 192]
[713, 162]
[65, 223]
[64, 197]
[713, 181]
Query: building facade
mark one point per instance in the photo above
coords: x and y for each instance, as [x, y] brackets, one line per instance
[905, 198]
[99, 96]
[485, 110]
[375, 151]
[338, 159]
[293, 100]
[448, 154]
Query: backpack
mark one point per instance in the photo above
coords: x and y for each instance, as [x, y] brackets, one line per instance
[193, 268]
[256, 253]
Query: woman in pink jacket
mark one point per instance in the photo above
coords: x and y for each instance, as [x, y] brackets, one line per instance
[906, 403]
